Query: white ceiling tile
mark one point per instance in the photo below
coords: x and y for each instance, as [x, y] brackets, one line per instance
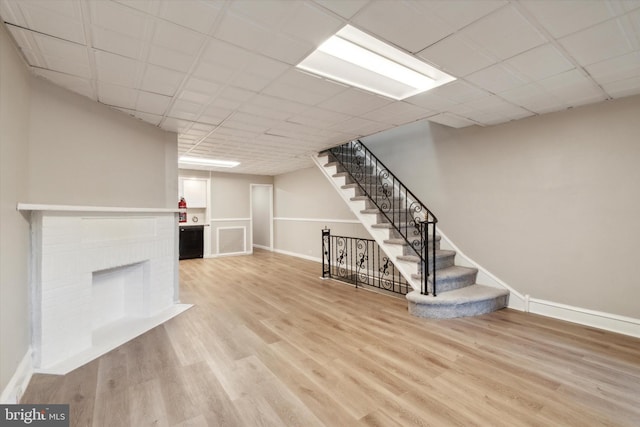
[311, 24]
[236, 94]
[614, 69]
[171, 59]
[496, 78]
[185, 110]
[242, 32]
[11, 13]
[203, 87]
[397, 113]
[117, 43]
[195, 96]
[540, 62]
[121, 19]
[459, 91]
[177, 38]
[568, 16]
[220, 52]
[218, 73]
[573, 88]
[228, 93]
[344, 8]
[27, 43]
[117, 96]
[64, 56]
[175, 125]
[214, 114]
[195, 14]
[287, 49]
[595, 44]
[451, 120]
[534, 98]
[318, 118]
[152, 103]
[354, 102]
[153, 119]
[622, 88]
[402, 24]
[147, 6]
[117, 69]
[504, 33]
[457, 56]
[61, 19]
[161, 80]
[269, 13]
[458, 14]
[431, 101]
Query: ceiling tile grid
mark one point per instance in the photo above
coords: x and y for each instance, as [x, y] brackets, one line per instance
[221, 73]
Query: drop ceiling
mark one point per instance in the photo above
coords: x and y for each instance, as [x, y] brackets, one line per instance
[222, 73]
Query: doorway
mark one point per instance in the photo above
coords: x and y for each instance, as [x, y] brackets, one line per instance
[262, 216]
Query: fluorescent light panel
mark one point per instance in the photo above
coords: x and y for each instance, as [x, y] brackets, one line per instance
[357, 59]
[201, 161]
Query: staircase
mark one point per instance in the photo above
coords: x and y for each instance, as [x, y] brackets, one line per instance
[405, 230]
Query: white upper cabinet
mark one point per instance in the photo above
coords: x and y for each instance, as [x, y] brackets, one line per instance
[194, 191]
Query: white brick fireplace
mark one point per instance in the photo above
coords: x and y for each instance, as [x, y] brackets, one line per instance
[99, 277]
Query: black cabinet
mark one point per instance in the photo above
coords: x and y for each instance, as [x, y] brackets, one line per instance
[191, 241]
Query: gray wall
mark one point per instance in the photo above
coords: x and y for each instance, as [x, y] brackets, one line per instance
[14, 234]
[549, 204]
[57, 147]
[230, 204]
[84, 153]
[304, 203]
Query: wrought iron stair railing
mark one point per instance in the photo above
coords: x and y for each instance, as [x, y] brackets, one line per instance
[360, 262]
[395, 203]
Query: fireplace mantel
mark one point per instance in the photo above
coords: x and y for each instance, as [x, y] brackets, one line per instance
[100, 276]
[75, 208]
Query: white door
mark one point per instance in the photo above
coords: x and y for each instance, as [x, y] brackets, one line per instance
[262, 216]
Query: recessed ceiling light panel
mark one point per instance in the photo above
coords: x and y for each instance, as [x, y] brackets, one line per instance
[357, 59]
[201, 161]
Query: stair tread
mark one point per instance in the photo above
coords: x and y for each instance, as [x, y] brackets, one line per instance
[464, 295]
[447, 272]
[414, 258]
[404, 242]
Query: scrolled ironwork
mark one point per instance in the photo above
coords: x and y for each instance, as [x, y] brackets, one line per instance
[361, 262]
[410, 218]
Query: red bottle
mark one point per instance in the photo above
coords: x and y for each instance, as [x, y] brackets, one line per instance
[182, 210]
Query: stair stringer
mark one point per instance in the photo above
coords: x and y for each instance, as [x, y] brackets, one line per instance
[407, 269]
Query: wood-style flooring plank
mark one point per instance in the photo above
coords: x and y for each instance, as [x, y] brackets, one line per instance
[271, 344]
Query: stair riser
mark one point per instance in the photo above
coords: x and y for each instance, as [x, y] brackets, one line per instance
[441, 262]
[458, 310]
[410, 251]
[451, 283]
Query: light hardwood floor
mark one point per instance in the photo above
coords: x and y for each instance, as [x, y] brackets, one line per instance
[269, 343]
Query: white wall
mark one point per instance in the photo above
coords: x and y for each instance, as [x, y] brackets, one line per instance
[548, 204]
[304, 204]
[84, 153]
[14, 238]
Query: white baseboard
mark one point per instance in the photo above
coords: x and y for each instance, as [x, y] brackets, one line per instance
[266, 248]
[584, 316]
[18, 383]
[297, 255]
